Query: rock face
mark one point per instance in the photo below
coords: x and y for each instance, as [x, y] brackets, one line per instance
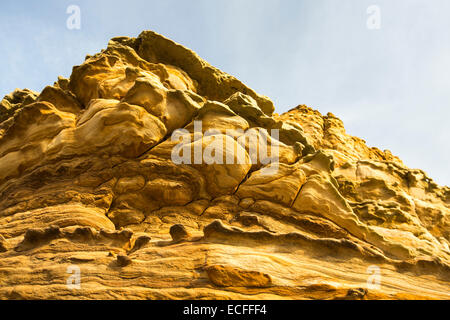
[88, 182]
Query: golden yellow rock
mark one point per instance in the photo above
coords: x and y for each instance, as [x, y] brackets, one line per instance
[241, 203]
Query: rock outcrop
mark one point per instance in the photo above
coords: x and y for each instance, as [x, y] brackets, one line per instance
[88, 179]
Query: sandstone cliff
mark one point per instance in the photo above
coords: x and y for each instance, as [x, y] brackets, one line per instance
[87, 180]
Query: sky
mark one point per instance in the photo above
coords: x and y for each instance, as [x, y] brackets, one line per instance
[390, 86]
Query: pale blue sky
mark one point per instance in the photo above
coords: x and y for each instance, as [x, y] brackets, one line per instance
[391, 86]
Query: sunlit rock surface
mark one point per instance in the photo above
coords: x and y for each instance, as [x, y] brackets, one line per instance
[87, 179]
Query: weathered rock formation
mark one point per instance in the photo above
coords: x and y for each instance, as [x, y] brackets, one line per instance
[87, 180]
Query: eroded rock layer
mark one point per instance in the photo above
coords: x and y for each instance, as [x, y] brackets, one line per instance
[87, 180]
